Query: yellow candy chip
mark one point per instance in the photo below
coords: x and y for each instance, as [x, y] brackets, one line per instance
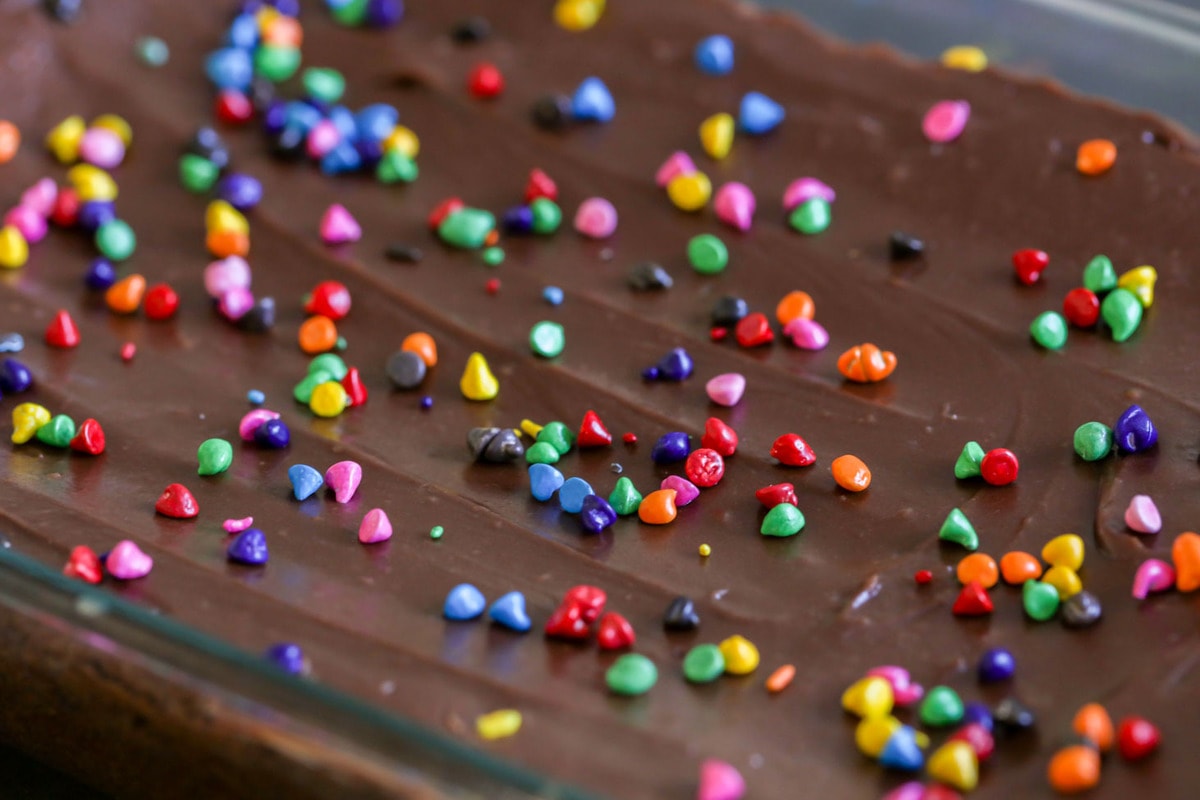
[63, 139]
[741, 656]
[27, 418]
[498, 724]
[954, 764]
[328, 399]
[578, 15]
[530, 428]
[872, 734]
[1064, 551]
[965, 57]
[869, 697]
[14, 250]
[1065, 580]
[265, 16]
[716, 135]
[1140, 281]
[690, 192]
[92, 183]
[477, 382]
[117, 125]
[221, 216]
[404, 140]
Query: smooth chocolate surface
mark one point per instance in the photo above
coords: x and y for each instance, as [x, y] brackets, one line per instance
[835, 600]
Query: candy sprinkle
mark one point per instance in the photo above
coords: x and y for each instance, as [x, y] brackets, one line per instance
[436, 532]
[499, 724]
[1095, 157]
[705, 551]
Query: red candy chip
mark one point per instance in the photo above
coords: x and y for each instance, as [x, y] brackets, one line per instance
[83, 564]
[936, 791]
[978, 737]
[590, 599]
[66, 208]
[1137, 737]
[776, 493]
[629, 438]
[720, 437]
[540, 185]
[923, 577]
[592, 432]
[161, 302]
[485, 81]
[62, 332]
[1081, 307]
[718, 334]
[89, 438]
[443, 210]
[793, 451]
[999, 467]
[567, 623]
[329, 299]
[233, 107]
[1029, 264]
[973, 601]
[614, 632]
[356, 393]
[177, 502]
[753, 330]
[705, 467]
[492, 286]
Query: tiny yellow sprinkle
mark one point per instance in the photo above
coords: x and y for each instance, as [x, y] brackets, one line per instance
[499, 724]
[530, 428]
[965, 57]
[705, 550]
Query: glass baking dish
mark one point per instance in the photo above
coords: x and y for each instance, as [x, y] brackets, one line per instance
[332, 742]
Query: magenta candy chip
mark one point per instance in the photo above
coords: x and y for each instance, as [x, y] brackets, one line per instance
[237, 525]
[596, 218]
[678, 163]
[234, 304]
[338, 226]
[28, 221]
[802, 190]
[375, 527]
[946, 120]
[41, 196]
[685, 490]
[127, 562]
[102, 147]
[720, 781]
[734, 204]
[1153, 575]
[226, 275]
[904, 690]
[807, 334]
[344, 478]
[726, 389]
[253, 420]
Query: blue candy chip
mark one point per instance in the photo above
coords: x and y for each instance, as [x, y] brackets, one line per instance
[593, 102]
[509, 611]
[759, 114]
[544, 481]
[572, 493]
[464, 602]
[305, 481]
[714, 55]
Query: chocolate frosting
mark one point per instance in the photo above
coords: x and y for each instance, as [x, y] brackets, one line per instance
[835, 600]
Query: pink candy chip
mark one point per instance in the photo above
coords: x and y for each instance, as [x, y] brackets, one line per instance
[253, 420]
[237, 525]
[720, 781]
[375, 527]
[734, 204]
[685, 490]
[41, 196]
[323, 137]
[807, 334]
[802, 190]
[127, 562]
[678, 163]
[344, 478]
[727, 389]
[28, 221]
[338, 226]
[946, 120]
[1142, 515]
[102, 148]
[912, 790]
[596, 218]
[234, 304]
[226, 275]
[1154, 575]
[904, 690]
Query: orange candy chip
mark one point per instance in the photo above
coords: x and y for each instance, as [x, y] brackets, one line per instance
[10, 141]
[423, 345]
[781, 678]
[851, 473]
[978, 567]
[283, 30]
[1018, 567]
[795, 305]
[124, 296]
[1093, 723]
[1185, 552]
[225, 243]
[658, 507]
[1095, 157]
[1074, 769]
[318, 334]
[866, 363]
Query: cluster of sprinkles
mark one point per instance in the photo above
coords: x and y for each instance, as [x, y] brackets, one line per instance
[263, 49]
